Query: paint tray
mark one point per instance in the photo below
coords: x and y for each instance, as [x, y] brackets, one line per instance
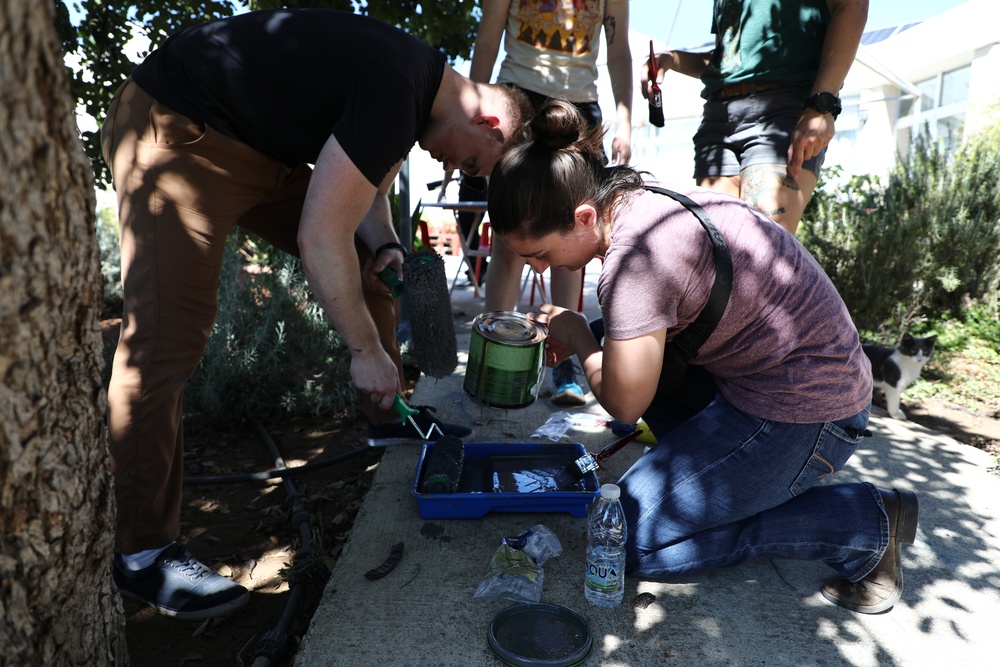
[508, 477]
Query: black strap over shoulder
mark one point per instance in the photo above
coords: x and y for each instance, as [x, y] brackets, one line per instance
[690, 340]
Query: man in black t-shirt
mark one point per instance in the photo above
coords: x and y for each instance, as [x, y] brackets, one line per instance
[292, 124]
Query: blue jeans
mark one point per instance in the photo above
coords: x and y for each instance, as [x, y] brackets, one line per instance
[723, 486]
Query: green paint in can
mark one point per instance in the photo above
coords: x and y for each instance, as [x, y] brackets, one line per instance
[505, 360]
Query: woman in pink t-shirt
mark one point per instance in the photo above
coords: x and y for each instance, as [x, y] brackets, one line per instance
[777, 398]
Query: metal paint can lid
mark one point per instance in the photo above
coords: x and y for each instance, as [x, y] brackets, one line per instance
[509, 327]
[540, 635]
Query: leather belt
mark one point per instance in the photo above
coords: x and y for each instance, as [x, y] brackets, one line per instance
[742, 89]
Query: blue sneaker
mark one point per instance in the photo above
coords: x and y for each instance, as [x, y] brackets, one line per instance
[179, 585]
[568, 391]
[396, 433]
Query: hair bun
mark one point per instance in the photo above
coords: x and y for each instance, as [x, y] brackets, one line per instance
[557, 124]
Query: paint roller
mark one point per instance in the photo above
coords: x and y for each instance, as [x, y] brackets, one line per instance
[429, 306]
[443, 470]
[435, 348]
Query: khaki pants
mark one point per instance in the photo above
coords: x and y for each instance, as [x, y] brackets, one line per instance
[181, 188]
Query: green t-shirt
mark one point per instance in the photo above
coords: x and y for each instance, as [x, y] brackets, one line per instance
[767, 41]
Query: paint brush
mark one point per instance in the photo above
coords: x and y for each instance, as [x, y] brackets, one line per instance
[655, 96]
[575, 471]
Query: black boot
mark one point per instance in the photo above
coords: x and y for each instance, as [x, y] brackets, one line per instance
[883, 586]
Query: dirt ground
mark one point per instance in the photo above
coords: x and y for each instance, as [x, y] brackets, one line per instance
[244, 530]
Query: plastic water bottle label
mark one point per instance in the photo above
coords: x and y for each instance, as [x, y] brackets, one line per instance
[603, 576]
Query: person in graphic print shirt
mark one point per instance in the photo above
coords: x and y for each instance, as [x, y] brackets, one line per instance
[551, 52]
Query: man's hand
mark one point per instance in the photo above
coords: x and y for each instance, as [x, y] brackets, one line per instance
[375, 373]
[392, 258]
[664, 61]
[811, 135]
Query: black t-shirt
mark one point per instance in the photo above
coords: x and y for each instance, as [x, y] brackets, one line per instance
[282, 81]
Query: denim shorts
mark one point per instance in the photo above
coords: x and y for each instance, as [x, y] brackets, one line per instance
[742, 131]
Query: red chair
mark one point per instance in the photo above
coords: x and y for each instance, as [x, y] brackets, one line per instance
[485, 248]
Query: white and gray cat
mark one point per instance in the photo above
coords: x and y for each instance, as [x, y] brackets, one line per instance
[895, 368]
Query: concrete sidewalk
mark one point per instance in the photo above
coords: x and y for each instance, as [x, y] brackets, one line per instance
[765, 612]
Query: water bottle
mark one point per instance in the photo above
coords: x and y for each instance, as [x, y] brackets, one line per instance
[604, 579]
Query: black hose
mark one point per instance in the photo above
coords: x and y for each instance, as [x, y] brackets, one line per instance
[273, 474]
[272, 644]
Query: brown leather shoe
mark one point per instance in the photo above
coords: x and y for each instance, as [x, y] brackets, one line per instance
[883, 586]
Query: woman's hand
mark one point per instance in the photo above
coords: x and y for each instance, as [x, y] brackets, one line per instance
[565, 330]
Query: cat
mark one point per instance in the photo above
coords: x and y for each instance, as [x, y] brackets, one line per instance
[895, 368]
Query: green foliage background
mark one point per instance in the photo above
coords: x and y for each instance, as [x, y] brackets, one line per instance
[918, 248]
[920, 252]
[272, 352]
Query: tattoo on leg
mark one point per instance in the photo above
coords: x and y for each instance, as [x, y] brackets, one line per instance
[761, 182]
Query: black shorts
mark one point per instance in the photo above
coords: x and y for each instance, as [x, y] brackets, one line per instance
[738, 132]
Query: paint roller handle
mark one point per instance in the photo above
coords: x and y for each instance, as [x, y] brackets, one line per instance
[392, 281]
[402, 409]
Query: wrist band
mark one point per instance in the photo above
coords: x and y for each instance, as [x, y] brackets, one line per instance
[392, 245]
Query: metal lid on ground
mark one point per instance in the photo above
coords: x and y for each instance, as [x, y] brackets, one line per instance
[540, 635]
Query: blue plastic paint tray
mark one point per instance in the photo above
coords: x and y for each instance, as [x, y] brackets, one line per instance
[508, 477]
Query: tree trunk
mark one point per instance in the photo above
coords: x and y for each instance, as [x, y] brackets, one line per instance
[58, 605]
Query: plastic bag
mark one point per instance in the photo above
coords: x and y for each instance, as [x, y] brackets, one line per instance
[515, 571]
[558, 423]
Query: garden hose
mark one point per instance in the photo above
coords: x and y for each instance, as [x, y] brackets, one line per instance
[278, 473]
[272, 644]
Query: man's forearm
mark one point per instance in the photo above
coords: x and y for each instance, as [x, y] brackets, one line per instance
[686, 62]
[843, 35]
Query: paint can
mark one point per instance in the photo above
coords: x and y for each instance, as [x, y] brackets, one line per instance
[505, 360]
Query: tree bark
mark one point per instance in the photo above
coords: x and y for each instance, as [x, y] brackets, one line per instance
[58, 605]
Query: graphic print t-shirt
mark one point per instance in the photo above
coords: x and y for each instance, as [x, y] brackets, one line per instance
[767, 41]
[552, 47]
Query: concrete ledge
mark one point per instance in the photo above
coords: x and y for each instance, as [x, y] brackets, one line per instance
[765, 612]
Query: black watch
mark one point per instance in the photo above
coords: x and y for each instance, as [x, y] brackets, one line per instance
[825, 103]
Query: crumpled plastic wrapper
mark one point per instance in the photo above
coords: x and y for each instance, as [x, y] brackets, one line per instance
[515, 571]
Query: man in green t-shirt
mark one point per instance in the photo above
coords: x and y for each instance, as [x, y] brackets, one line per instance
[771, 97]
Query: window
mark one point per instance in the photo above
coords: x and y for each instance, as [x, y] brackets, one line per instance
[949, 132]
[955, 85]
[928, 99]
[941, 110]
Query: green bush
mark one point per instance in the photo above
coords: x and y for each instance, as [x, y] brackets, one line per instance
[111, 261]
[272, 351]
[920, 246]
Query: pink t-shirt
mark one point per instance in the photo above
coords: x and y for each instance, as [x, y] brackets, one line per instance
[785, 349]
